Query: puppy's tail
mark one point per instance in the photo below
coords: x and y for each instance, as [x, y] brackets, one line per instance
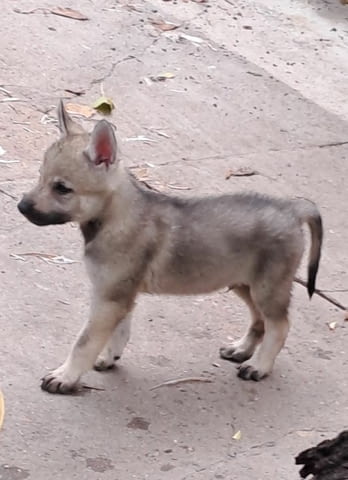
[309, 213]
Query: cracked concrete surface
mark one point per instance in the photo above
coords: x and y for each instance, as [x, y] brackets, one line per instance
[265, 88]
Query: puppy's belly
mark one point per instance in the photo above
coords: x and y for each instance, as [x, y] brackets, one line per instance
[197, 284]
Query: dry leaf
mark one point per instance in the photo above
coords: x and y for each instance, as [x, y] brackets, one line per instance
[104, 105]
[332, 325]
[164, 26]
[237, 435]
[241, 172]
[2, 409]
[346, 316]
[162, 77]
[69, 13]
[76, 109]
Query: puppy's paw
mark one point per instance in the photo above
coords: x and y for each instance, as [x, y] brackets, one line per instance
[104, 363]
[60, 381]
[234, 354]
[247, 371]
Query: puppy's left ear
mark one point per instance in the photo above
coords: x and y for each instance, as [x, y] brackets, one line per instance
[66, 124]
[102, 148]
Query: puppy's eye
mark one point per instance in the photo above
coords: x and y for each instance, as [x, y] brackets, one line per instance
[61, 189]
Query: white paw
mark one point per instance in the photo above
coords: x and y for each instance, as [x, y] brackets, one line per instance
[106, 360]
[60, 380]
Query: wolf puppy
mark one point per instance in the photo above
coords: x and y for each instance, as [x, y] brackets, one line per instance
[140, 241]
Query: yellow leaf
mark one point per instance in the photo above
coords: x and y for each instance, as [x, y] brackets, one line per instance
[2, 409]
[104, 105]
[78, 109]
[237, 435]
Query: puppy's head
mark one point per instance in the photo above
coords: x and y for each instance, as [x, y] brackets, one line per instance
[76, 177]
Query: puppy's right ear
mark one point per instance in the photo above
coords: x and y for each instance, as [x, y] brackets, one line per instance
[102, 148]
[66, 124]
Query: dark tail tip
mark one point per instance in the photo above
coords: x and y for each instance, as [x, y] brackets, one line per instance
[312, 275]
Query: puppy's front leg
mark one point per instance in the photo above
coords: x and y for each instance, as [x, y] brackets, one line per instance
[105, 315]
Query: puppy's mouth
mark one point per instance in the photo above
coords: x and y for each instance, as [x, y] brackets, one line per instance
[27, 208]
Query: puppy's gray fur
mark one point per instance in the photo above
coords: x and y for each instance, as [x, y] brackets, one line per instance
[141, 241]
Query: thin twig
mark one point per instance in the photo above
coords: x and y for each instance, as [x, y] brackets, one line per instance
[323, 295]
[8, 194]
[182, 380]
[87, 387]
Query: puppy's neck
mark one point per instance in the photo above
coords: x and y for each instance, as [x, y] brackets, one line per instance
[122, 195]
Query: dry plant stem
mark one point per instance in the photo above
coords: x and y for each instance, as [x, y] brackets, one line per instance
[323, 295]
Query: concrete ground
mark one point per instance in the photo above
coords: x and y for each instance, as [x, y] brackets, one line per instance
[264, 87]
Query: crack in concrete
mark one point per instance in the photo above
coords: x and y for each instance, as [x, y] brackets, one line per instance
[112, 69]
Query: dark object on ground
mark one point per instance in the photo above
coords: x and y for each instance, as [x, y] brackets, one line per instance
[326, 461]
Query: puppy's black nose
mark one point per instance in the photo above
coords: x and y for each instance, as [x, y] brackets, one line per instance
[25, 205]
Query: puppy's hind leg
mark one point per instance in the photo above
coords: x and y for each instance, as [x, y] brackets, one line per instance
[115, 346]
[273, 305]
[244, 348]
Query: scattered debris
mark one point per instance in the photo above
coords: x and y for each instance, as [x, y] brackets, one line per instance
[2, 409]
[46, 257]
[191, 38]
[177, 187]
[164, 26]
[241, 172]
[8, 194]
[77, 109]
[162, 77]
[323, 295]
[2, 151]
[255, 74]
[217, 365]
[12, 99]
[78, 93]
[141, 138]
[148, 81]
[104, 105]
[304, 433]
[138, 423]
[6, 92]
[5, 162]
[69, 13]
[160, 133]
[332, 325]
[182, 380]
[140, 173]
[346, 316]
[62, 12]
[237, 435]
[87, 387]
[46, 119]
[247, 27]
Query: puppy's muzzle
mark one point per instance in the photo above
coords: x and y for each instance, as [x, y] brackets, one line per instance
[27, 208]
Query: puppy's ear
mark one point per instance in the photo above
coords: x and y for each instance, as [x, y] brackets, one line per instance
[102, 148]
[66, 124]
